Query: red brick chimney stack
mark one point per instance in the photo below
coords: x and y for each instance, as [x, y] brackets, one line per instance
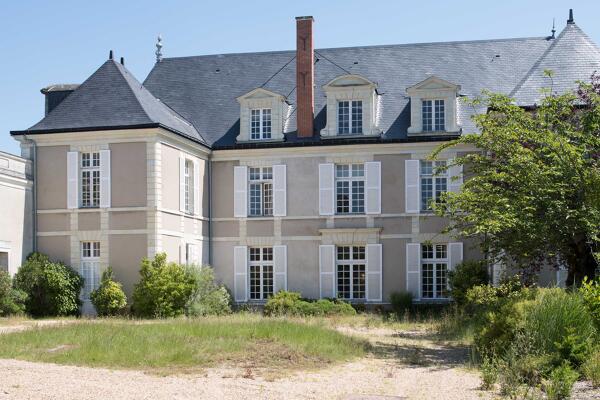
[305, 76]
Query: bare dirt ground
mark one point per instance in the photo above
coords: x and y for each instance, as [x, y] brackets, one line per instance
[404, 365]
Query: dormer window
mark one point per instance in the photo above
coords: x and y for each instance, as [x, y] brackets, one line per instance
[434, 115]
[260, 123]
[350, 117]
[352, 103]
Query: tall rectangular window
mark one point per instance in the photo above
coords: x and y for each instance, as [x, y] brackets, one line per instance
[90, 263]
[350, 188]
[434, 183]
[350, 117]
[260, 123]
[189, 186]
[260, 191]
[90, 179]
[351, 272]
[433, 113]
[261, 273]
[434, 271]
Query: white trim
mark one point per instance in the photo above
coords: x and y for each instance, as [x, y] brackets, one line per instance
[379, 249]
[322, 248]
[279, 190]
[413, 267]
[279, 256]
[373, 184]
[240, 190]
[240, 269]
[412, 191]
[326, 189]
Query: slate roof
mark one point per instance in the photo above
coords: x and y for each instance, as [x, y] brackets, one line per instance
[111, 98]
[203, 89]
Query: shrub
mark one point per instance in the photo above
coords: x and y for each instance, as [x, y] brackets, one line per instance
[52, 288]
[401, 302]
[208, 298]
[164, 289]
[109, 299]
[590, 290]
[290, 303]
[489, 373]
[560, 383]
[591, 368]
[466, 275]
[12, 301]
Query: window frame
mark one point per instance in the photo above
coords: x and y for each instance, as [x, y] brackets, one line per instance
[265, 184]
[439, 180]
[265, 125]
[89, 164]
[437, 118]
[354, 191]
[90, 257]
[355, 125]
[266, 272]
[435, 261]
[356, 266]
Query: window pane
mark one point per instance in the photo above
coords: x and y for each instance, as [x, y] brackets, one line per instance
[358, 170]
[342, 171]
[440, 115]
[358, 282]
[255, 124]
[95, 159]
[426, 113]
[85, 160]
[267, 173]
[343, 117]
[85, 189]
[267, 199]
[254, 254]
[254, 282]
[343, 281]
[440, 251]
[427, 281]
[266, 127]
[358, 196]
[427, 251]
[343, 196]
[255, 199]
[254, 174]
[426, 193]
[343, 252]
[267, 254]
[441, 282]
[357, 117]
[426, 167]
[358, 252]
[440, 187]
[267, 281]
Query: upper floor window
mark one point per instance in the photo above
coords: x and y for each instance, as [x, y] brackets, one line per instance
[350, 117]
[261, 273]
[433, 183]
[434, 271]
[351, 272]
[350, 188]
[260, 123]
[90, 179]
[434, 115]
[189, 186]
[261, 191]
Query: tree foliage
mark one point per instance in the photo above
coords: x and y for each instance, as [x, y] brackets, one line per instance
[533, 193]
[109, 299]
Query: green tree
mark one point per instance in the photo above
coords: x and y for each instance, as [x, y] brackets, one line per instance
[109, 299]
[533, 193]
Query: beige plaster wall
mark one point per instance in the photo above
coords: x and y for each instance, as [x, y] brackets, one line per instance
[51, 177]
[53, 222]
[128, 174]
[89, 221]
[126, 253]
[127, 220]
[58, 248]
[303, 267]
[392, 182]
[222, 189]
[170, 177]
[259, 228]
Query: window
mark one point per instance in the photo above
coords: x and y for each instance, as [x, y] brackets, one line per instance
[90, 261]
[189, 254]
[350, 188]
[189, 186]
[350, 270]
[434, 115]
[4, 261]
[261, 191]
[261, 273]
[434, 271]
[350, 118]
[90, 180]
[433, 183]
[260, 123]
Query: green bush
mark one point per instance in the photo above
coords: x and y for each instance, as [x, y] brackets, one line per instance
[590, 290]
[466, 275]
[52, 288]
[12, 301]
[401, 302]
[164, 289]
[489, 373]
[290, 303]
[109, 299]
[208, 298]
[560, 383]
[591, 368]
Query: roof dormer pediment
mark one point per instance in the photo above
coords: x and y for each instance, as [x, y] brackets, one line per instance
[260, 94]
[344, 81]
[433, 83]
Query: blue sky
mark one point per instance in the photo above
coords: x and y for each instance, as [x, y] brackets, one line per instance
[46, 42]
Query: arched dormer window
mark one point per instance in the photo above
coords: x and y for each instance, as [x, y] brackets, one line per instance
[433, 104]
[351, 107]
[262, 116]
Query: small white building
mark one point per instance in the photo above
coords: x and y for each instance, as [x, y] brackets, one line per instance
[16, 216]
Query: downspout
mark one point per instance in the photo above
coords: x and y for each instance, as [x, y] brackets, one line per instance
[34, 190]
[210, 238]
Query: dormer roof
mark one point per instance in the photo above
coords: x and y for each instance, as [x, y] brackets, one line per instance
[349, 80]
[433, 83]
[260, 93]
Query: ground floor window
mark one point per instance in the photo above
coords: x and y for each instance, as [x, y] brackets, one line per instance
[434, 271]
[350, 270]
[4, 261]
[90, 265]
[261, 273]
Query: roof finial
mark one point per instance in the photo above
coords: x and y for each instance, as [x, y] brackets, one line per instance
[553, 30]
[123, 61]
[110, 55]
[159, 46]
[570, 20]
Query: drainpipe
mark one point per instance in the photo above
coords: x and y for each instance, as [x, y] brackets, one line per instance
[210, 238]
[34, 189]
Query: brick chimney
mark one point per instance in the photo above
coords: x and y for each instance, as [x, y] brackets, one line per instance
[305, 77]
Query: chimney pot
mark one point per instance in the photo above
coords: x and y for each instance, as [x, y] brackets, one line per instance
[305, 76]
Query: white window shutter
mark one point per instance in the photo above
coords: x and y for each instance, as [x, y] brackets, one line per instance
[455, 254]
[104, 178]
[326, 189]
[327, 271]
[240, 271]
[455, 175]
[279, 191]
[374, 272]
[72, 179]
[411, 186]
[182, 184]
[373, 187]
[279, 268]
[413, 269]
[240, 192]
[182, 248]
[197, 201]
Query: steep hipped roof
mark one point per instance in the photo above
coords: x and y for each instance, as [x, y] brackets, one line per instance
[112, 98]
